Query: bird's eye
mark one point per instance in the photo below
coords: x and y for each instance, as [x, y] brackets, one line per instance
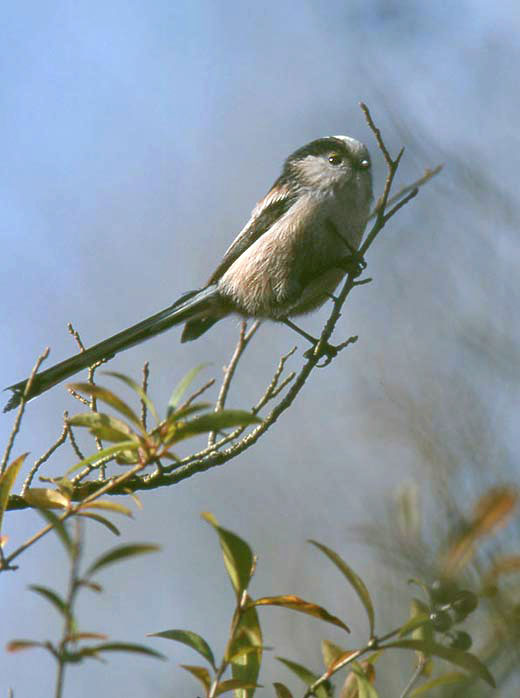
[364, 164]
[335, 159]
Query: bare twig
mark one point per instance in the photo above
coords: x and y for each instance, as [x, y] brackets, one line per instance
[229, 371]
[115, 483]
[41, 460]
[415, 676]
[144, 386]
[21, 409]
[196, 394]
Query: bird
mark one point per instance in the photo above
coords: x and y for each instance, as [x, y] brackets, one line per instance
[287, 260]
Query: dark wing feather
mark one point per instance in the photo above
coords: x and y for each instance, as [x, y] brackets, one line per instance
[277, 202]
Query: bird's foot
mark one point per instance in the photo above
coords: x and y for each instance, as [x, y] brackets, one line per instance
[329, 351]
[354, 264]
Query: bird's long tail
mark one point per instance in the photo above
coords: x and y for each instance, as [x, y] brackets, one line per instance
[191, 305]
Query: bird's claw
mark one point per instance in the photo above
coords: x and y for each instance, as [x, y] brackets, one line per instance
[354, 264]
[320, 349]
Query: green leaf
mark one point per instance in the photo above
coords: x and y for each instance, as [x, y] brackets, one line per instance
[422, 631]
[182, 386]
[109, 398]
[138, 389]
[59, 528]
[295, 603]
[103, 454]
[281, 690]
[238, 556]
[447, 679]
[121, 647]
[416, 621]
[365, 688]
[245, 653]
[330, 652]
[7, 480]
[188, 637]
[213, 421]
[355, 580]
[234, 685]
[45, 498]
[51, 596]
[104, 426]
[466, 660]
[105, 505]
[120, 553]
[307, 676]
[102, 520]
[201, 673]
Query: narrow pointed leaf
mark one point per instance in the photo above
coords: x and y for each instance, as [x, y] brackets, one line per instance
[77, 637]
[120, 553]
[107, 506]
[200, 672]
[44, 498]
[281, 690]
[355, 581]
[137, 388]
[109, 398]
[59, 528]
[102, 520]
[364, 681]
[104, 453]
[234, 685]
[238, 556]
[246, 652]
[122, 647]
[182, 386]
[448, 679]
[340, 661]
[188, 637]
[295, 603]
[104, 426]
[416, 621]
[51, 596]
[330, 652]
[465, 660]
[214, 421]
[18, 645]
[307, 676]
[7, 480]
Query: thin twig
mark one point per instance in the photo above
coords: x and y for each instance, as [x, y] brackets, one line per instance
[115, 483]
[428, 174]
[415, 676]
[41, 460]
[196, 394]
[144, 386]
[229, 371]
[21, 409]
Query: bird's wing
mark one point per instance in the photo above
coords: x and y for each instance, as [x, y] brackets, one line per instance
[267, 211]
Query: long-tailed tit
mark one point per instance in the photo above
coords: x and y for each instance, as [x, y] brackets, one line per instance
[287, 260]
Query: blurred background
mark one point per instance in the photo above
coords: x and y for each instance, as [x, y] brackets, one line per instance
[135, 139]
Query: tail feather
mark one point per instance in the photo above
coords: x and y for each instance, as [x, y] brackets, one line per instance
[189, 306]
